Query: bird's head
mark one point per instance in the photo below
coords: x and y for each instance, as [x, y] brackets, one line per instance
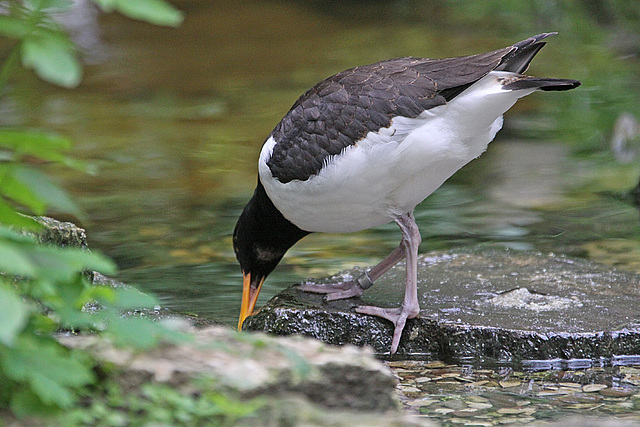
[261, 238]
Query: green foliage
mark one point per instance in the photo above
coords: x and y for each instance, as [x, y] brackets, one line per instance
[43, 288]
[43, 45]
[24, 185]
[153, 11]
[42, 374]
[39, 373]
[161, 405]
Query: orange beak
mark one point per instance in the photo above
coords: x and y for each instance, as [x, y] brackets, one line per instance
[249, 297]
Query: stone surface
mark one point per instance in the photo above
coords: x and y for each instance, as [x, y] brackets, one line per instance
[61, 233]
[480, 304]
[256, 365]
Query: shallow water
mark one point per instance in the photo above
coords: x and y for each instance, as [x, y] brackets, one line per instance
[454, 395]
[173, 120]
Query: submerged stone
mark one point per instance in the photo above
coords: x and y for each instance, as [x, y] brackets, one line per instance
[480, 304]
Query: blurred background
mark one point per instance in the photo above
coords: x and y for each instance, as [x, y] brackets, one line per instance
[173, 120]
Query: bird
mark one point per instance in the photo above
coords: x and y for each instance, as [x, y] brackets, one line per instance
[364, 147]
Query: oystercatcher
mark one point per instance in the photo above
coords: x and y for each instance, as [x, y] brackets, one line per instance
[363, 147]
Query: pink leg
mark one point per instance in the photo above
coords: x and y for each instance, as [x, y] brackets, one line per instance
[410, 308]
[356, 287]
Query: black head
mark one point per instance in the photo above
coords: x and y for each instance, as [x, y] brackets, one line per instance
[261, 238]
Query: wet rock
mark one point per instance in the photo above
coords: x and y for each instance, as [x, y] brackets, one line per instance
[480, 304]
[248, 366]
[60, 233]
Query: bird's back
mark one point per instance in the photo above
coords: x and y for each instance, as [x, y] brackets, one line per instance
[369, 143]
[345, 107]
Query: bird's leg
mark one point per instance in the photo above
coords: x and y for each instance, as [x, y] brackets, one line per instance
[410, 308]
[355, 288]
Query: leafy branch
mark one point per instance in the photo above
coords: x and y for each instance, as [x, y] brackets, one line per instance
[43, 288]
[44, 46]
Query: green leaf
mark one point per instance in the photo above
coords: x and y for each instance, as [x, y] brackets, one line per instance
[13, 260]
[131, 298]
[84, 260]
[13, 315]
[53, 58]
[26, 403]
[12, 188]
[52, 5]
[52, 195]
[134, 331]
[156, 12]
[50, 391]
[14, 28]
[46, 146]
[50, 369]
[60, 265]
[8, 216]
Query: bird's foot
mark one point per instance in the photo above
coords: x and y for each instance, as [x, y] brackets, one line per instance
[397, 316]
[334, 291]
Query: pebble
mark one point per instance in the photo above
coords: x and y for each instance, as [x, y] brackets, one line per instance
[457, 395]
[570, 385]
[477, 399]
[547, 393]
[464, 413]
[511, 411]
[511, 420]
[479, 383]
[409, 389]
[507, 384]
[590, 388]
[421, 402]
[435, 364]
[454, 404]
[480, 405]
[625, 405]
[451, 375]
[612, 392]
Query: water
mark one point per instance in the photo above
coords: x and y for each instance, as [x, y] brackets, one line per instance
[173, 121]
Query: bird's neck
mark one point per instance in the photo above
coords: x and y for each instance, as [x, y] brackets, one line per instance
[269, 232]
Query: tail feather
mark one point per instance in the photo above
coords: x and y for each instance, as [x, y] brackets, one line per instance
[517, 61]
[541, 83]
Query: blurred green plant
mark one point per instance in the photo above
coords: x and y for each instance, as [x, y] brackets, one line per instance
[44, 46]
[43, 289]
[161, 405]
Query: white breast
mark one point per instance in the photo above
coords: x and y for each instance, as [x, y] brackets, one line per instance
[390, 171]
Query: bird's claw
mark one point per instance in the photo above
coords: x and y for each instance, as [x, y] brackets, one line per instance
[334, 291]
[397, 316]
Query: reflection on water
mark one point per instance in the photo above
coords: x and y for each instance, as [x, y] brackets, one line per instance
[174, 119]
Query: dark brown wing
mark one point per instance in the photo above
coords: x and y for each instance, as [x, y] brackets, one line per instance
[341, 110]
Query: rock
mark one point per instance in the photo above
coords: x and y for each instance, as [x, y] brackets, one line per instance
[479, 304]
[246, 366]
[61, 234]
[256, 364]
